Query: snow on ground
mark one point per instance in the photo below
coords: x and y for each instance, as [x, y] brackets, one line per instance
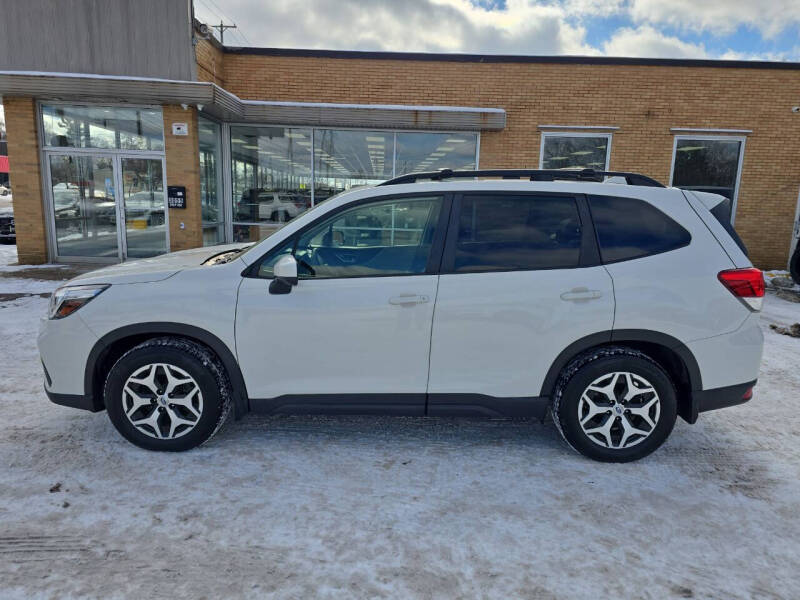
[306, 507]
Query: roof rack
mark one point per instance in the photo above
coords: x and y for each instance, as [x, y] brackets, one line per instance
[531, 174]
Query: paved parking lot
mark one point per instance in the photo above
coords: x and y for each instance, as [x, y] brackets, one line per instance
[393, 507]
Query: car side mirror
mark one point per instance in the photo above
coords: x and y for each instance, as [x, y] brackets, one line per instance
[285, 275]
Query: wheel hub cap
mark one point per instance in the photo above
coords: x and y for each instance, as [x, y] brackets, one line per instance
[162, 401]
[619, 410]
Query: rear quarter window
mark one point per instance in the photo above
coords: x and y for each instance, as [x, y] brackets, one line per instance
[630, 228]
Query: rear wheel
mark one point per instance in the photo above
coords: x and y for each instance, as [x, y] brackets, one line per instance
[614, 405]
[168, 394]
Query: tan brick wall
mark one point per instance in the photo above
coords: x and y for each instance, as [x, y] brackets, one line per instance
[26, 181]
[643, 101]
[183, 168]
[209, 62]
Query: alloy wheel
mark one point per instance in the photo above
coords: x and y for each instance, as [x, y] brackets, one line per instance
[619, 410]
[162, 401]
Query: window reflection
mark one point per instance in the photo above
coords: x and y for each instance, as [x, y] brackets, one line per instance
[271, 167]
[574, 151]
[707, 165]
[349, 158]
[434, 151]
[271, 176]
[103, 127]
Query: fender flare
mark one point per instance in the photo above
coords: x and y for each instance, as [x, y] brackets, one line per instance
[621, 336]
[155, 328]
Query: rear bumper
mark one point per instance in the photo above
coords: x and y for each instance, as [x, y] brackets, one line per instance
[723, 397]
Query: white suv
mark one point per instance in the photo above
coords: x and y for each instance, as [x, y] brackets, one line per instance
[615, 307]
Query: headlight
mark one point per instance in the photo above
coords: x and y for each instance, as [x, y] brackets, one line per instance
[66, 300]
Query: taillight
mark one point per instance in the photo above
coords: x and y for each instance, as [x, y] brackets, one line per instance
[745, 284]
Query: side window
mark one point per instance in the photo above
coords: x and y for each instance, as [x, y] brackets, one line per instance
[507, 232]
[629, 228]
[390, 237]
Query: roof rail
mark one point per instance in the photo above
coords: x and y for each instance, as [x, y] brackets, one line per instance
[531, 174]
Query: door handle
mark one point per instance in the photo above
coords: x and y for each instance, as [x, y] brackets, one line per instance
[581, 294]
[408, 299]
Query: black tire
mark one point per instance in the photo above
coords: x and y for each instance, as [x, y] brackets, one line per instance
[196, 360]
[588, 367]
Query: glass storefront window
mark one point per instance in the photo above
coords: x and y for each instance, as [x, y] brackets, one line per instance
[271, 168]
[271, 178]
[433, 151]
[349, 158]
[707, 165]
[575, 151]
[209, 136]
[103, 127]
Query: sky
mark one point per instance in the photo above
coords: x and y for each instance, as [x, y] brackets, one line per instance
[717, 29]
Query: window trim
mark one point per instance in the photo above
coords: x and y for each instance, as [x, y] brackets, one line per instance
[437, 246]
[576, 134]
[619, 260]
[701, 137]
[588, 253]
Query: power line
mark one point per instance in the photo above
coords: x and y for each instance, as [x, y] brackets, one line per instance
[217, 12]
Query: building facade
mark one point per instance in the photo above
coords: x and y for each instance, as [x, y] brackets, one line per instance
[122, 162]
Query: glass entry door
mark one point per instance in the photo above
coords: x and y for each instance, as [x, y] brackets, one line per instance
[84, 206]
[144, 207]
[107, 207]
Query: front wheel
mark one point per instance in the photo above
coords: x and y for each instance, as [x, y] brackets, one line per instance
[168, 394]
[614, 405]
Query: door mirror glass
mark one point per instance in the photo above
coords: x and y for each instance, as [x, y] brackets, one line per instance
[285, 275]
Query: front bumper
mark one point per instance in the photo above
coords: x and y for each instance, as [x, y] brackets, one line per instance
[64, 348]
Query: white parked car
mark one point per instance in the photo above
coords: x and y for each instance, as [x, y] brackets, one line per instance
[614, 307]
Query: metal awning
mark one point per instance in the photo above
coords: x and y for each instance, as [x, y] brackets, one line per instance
[226, 106]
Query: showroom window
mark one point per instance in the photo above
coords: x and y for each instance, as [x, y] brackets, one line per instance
[708, 164]
[562, 150]
[103, 127]
[270, 177]
[272, 168]
[209, 147]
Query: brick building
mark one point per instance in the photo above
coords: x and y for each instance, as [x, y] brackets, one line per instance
[255, 135]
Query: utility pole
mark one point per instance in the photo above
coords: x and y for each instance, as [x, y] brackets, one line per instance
[222, 27]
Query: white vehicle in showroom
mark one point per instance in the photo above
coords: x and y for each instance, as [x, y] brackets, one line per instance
[616, 307]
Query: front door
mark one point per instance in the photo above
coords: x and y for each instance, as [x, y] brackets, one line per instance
[143, 207]
[107, 207]
[354, 334]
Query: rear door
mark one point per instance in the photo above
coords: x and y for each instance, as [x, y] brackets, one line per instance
[520, 281]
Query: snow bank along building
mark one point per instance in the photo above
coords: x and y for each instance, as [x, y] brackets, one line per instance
[132, 132]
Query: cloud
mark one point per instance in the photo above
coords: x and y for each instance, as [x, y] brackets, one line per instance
[650, 28]
[646, 41]
[721, 17]
[522, 27]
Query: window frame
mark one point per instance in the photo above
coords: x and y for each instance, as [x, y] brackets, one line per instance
[576, 134]
[652, 206]
[588, 253]
[713, 137]
[434, 258]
